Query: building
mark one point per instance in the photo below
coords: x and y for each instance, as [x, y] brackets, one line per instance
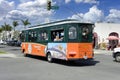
[104, 30]
[9, 35]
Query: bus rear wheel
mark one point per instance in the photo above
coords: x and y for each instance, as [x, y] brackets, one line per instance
[25, 55]
[49, 57]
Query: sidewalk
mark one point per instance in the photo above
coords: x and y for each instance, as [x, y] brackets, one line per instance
[100, 51]
[7, 55]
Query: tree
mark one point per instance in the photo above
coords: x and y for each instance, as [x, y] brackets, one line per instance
[25, 23]
[1, 30]
[15, 23]
[6, 27]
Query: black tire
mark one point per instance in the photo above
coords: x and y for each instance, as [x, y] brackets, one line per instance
[23, 50]
[49, 57]
[25, 55]
[117, 57]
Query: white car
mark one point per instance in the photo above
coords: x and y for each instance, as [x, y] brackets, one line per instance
[116, 54]
[1, 41]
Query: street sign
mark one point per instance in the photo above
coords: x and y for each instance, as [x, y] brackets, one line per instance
[55, 7]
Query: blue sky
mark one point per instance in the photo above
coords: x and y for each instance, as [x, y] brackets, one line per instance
[37, 13]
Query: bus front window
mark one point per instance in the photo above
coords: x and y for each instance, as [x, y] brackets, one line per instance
[86, 33]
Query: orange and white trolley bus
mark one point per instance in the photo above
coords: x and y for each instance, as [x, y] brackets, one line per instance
[66, 40]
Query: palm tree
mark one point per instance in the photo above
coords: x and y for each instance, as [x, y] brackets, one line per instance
[1, 30]
[15, 23]
[6, 27]
[25, 23]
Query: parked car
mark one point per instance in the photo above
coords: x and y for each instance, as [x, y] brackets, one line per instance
[18, 43]
[1, 41]
[11, 43]
[116, 53]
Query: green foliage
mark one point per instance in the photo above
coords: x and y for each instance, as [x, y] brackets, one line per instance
[2, 52]
[6, 27]
[1, 30]
[15, 23]
[25, 22]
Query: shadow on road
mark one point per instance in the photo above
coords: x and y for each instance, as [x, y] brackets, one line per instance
[15, 49]
[76, 63]
[68, 63]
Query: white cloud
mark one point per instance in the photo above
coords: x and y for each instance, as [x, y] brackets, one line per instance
[93, 15]
[35, 3]
[78, 1]
[67, 1]
[86, 1]
[114, 16]
[23, 1]
[36, 11]
[78, 16]
[90, 1]
[83, 1]
[5, 7]
[15, 15]
[35, 8]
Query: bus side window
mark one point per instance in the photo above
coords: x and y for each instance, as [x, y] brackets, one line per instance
[43, 36]
[34, 36]
[29, 36]
[72, 33]
[57, 35]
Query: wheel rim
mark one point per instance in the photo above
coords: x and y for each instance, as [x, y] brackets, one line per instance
[49, 58]
[118, 58]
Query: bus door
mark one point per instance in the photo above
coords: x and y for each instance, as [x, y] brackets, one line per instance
[72, 42]
[57, 45]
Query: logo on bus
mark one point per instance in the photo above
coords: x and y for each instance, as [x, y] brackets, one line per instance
[29, 48]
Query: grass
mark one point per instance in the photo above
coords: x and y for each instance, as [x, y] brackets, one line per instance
[2, 52]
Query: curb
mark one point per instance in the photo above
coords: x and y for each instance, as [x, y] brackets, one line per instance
[106, 52]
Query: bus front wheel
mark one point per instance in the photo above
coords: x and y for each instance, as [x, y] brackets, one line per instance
[49, 57]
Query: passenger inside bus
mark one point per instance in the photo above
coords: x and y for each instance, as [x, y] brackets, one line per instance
[57, 38]
[57, 35]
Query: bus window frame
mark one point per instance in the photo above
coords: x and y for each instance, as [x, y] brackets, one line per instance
[39, 31]
[57, 30]
[89, 26]
[77, 35]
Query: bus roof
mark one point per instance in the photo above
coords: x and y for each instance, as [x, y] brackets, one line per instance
[67, 21]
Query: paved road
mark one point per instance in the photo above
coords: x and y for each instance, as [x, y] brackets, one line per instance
[36, 68]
